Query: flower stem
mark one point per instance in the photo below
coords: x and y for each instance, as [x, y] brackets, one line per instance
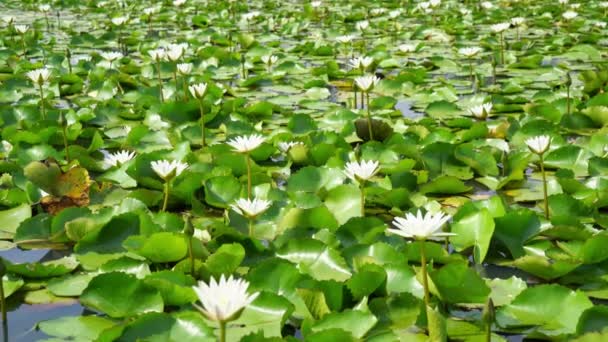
[251, 228]
[369, 117]
[200, 106]
[362, 186]
[42, 107]
[502, 49]
[568, 100]
[542, 170]
[425, 282]
[191, 255]
[160, 83]
[175, 80]
[248, 175]
[355, 94]
[185, 88]
[222, 331]
[166, 198]
[2, 302]
[64, 127]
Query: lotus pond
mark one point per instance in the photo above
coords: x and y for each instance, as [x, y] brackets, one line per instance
[347, 170]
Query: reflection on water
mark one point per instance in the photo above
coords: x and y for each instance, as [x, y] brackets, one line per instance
[405, 107]
[17, 255]
[23, 320]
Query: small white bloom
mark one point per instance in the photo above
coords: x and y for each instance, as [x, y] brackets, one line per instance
[21, 29]
[44, 8]
[434, 3]
[150, 10]
[157, 54]
[517, 21]
[174, 52]
[286, 146]
[367, 83]
[600, 24]
[394, 14]
[119, 158]
[603, 4]
[407, 48]
[487, 5]
[362, 25]
[168, 169]
[569, 15]
[8, 19]
[244, 144]
[111, 56]
[223, 301]
[501, 27]
[361, 62]
[269, 59]
[361, 171]
[469, 52]
[539, 144]
[178, 3]
[563, 2]
[481, 111]
[345, 39]
[316, 4]
[7, 146]
[420, 227]
[250, 208]
[184, 68]
[119, 21]
[39, 76]
[198, 90]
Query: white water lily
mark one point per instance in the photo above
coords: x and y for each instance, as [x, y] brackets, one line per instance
[419, 226]
[21, 29]
[517, 21]
[119, 158]
[198, 90]
[111, 56]
[168, 169]
[394, 14]
[174, 52]
[407, 48]
[362, 25]
[539, 144]
[119, 21]
[367, 83]
[361, 171]
[600, 24]
[487, 5]
[345, 39]
[361, 62]
[250, 208]
[434, 3]
[9, 19]
[7, 147]
[563, 2]
[244, 144]
[39, 76]
[184, 68]
[286, 146]
[469, 52]
[178, 3]
[44, 8]
[269, 59]
[481, 111]
[569, 15]
[157, 54]
[501, 27]
[222, 301]
[151, 10]
[316, 4]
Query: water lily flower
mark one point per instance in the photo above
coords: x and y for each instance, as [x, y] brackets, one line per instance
[501, 27]
[246, 144]
[539, 144]
[222, 301]
[361, 171]
[345, 38]
[434, 3]
[119, 158]
[184, 68]
[198, 90]
[150, 10]
[44, 8]
[111, 56]
[517, 21]
[569, 15]
[316, 4]
[469, 52]
[157, 54]
[250, 208]
[269, 60]
[362, 25]
[178, 3]
[286, 146]
[563, 2]
[600, 24]
[7, 147]
[367, 83]
[21, 29]
[168, 169]
[482, 111]
[394, 14]
[487, 5]
[39, 76]
[119, 21]
[419, 226]
[8, 19]
[361, 62]
[407, 48]
[174, 52]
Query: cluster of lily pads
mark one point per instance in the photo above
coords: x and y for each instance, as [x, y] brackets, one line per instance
[307, 170]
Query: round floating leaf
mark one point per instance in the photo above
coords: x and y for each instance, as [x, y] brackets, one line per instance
[46, 269]
[594, 319]
[316, 259]
[476, 230]
[162, 327]
[222, 191]
[358, 323]
[10, 284]
[344, 202]
[12, 218]
[79, 328]
[175, 287]
[119, 295]
[555, 309]
[70, 285]
[457, 283]
[515, 228]
[267, 313]
[158, 247]
[225, 260]
[367, 279]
